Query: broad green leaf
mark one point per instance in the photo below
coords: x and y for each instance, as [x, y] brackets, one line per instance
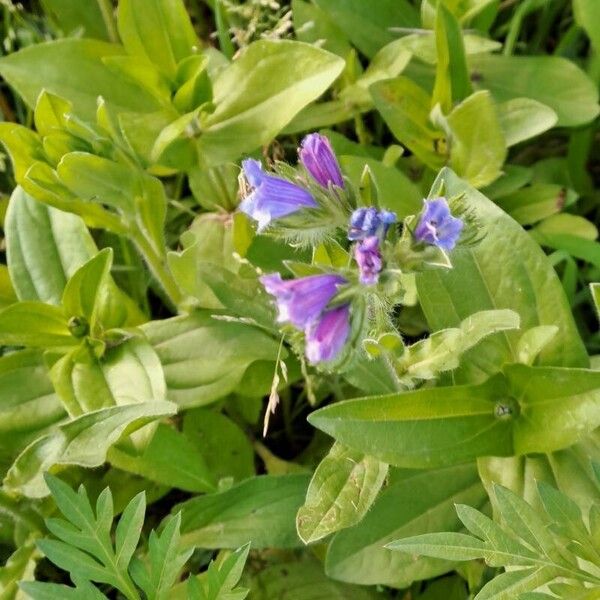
[23, 145]
[477, 146]
[88, 77]
[128, 372]
[260, 93]
[414, 503]
[533, 341]
[160, 31]
[45, 247]
[405, 108]
[556, 82]
[566, 223]
[35, 325]
[84, 441]
[204, 358]
[260, 510]
[170, 458]
[505, 270]
[524, 118]
[223, 445]
[574, 245]
[368, 26]
[511, 584]
[303, 580]
[429, 427]
[341, 491]
[528, 409]
[312, 24]
[28, 404]
[77, 16]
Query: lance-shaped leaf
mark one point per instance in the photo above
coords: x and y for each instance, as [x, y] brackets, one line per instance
[528, 409]
[260, 93]
[83, 441]
[341, 491]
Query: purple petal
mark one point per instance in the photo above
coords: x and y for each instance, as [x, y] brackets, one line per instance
[300, 301]
[326, 337]
[437, 226]
[369, 260]
[317, 156]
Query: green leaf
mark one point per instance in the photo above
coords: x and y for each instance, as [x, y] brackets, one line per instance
[524, 118]
[221, 577]
[88, 77]
[414, 502]
[204, 358]
[405, 108]
[442, 350]
[35, 325]
[128, 372]
[77, 16]
[170, 459]
[19, 567]
[511, 584]
[23, 146]
[368, 27]
[595, 292]
[86, 290]
[260, 510]
[165, 561]
[587, 14]
[448, 546]
[84, 441]
[505, 270]
[304, 580]
[224, 446]
[159, 31]
[428, 427]
[260, 93]
[556, 82]
[477, 146]
[341, 491]
[452, 83]
[28, 404]
[45, 247]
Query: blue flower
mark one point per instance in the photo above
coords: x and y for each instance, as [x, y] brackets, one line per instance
[301, 301]
[317, 156]
[326, 336]
[367, 222]
[437, 226]
[271, 197]
[368, 257]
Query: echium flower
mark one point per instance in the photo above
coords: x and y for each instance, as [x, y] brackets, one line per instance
[437, 226]
[369, 260]
[367, 222]
[271, 197]
[318, 158]
[303, 303]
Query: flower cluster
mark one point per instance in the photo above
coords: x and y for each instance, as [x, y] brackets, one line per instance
[322, 305]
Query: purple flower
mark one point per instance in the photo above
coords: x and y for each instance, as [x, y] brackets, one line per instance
[301, 301]
[326, 337]
[367, 222]
[437, 226]
[368, 257]
[319, 160]
[272, 197]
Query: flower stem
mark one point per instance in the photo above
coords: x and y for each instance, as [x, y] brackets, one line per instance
[159, 269]
[107, 10]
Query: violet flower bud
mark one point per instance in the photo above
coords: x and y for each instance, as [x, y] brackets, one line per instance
[370, 262]
[326, 336]
[317, 156]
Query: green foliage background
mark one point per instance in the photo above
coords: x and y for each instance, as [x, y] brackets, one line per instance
[137, 351]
